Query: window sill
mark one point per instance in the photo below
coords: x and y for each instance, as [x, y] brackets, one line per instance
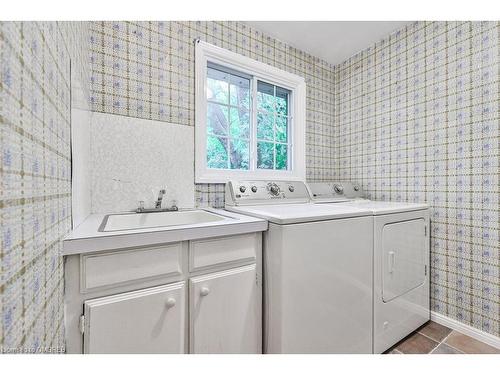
[223, 176]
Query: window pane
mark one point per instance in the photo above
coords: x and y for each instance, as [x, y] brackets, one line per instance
[239, 154]
[239, 92]
[281, 156]
[230, 127]
[217, 86]
[265, 124]
[265, 97]
[217, 152]
[281, 128]
[217, 119]
[282, 96]
[265, 155]
[240, 122]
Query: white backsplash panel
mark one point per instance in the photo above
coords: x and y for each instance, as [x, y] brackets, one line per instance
[80, 162]
[132, 159]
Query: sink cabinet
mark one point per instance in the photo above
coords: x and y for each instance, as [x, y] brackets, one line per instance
[224, 312]
[198, 296]
[150, 320]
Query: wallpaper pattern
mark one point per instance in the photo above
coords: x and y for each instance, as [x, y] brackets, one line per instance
[418, 120]
[146, 70]
[35, 174]
[413, 118]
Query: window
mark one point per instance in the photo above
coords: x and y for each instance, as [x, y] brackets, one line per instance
[228, 120]
[272, 127]
[249, 118]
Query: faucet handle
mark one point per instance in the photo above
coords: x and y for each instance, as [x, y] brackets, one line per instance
[174, 206]
[141, 207]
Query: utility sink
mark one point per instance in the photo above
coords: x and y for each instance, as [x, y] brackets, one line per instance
[117, 222]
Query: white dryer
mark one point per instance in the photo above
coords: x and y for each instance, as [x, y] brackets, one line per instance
[401, 260]
[317, 269]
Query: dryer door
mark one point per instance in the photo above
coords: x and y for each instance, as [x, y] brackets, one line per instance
[403, 257]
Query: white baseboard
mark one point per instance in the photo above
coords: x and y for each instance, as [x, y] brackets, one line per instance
[466, 330]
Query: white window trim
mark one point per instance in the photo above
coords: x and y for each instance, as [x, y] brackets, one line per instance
[205, 53]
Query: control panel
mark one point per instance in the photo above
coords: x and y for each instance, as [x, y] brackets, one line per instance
[353, 190]
[266, 192]
[335, 191]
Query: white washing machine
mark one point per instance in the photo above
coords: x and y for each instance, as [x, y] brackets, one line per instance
[401, 260]
[317, 269]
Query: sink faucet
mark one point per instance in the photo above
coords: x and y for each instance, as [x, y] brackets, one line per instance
[160, 197]
[157, 207]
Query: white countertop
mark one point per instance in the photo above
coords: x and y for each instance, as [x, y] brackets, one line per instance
[87, 238]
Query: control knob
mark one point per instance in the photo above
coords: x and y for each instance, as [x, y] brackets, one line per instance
[273, 189]
[254, 189]
[338, 189]
[242, 188]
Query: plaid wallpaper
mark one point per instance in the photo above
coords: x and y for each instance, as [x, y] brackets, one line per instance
[418, 120]
[415, 117]
[146, 70]
[35, 174]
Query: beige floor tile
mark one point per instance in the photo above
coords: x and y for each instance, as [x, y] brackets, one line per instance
[416, 344]
[467, 344]
[435, 331]
[445, 349]
[393, 351]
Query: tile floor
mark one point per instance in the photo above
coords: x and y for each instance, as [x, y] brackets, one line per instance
[434, 338]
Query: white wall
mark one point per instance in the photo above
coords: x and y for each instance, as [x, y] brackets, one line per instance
[81, 118]
[80, 143]
[132, 159]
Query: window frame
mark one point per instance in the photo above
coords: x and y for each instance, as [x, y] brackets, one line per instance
[206, 53]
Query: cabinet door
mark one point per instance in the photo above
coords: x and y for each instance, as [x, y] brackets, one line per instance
[144, 321]
[225, 312]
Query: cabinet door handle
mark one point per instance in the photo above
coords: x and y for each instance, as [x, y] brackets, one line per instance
[204, 291]
[170, 302]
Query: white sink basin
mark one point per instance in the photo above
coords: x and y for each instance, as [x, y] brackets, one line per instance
[132, 221]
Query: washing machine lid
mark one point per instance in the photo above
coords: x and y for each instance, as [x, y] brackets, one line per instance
[299, 213]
